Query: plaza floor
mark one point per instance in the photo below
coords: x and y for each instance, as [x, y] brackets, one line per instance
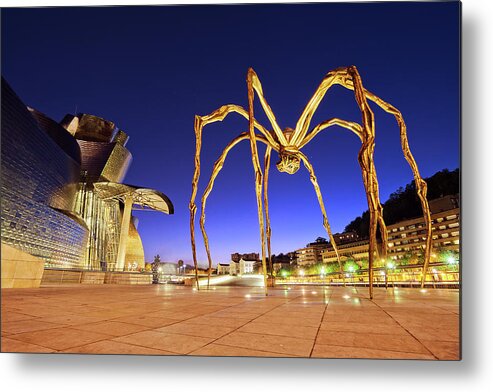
[298, 321]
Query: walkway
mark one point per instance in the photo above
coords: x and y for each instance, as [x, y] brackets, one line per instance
[232, 321]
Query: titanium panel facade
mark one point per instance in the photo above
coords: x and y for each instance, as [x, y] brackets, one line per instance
[38, 180]
[49, 206]
[134, 257]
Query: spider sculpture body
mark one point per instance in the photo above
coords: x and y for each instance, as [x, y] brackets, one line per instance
[288, 144]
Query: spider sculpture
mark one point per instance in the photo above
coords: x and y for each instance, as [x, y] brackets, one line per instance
[288, 144]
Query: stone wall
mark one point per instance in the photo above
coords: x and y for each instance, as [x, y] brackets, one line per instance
[20, 269]
[61, 276]
[127, 278]
[93, 277]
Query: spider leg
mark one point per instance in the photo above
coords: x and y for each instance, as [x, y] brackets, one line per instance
[349, 77]
[218, 165]
[257, 86]
[303, 123]
[199, 123]
[257, 169]
[365, 159]
[266, 207]
[352, 126]
[314, 181]
[421, 186]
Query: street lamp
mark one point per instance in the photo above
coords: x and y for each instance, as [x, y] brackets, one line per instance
[388, 266]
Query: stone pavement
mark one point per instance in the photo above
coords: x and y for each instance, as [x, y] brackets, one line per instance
[299, 321]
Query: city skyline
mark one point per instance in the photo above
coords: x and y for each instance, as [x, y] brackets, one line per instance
[152, 78]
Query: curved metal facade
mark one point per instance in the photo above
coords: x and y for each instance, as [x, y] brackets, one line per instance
[50, 208]
[134, 258]
[104, 161]
[39, 178]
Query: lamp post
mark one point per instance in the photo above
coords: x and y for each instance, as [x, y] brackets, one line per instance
[351, 270]
[388, 266]
[322, 274]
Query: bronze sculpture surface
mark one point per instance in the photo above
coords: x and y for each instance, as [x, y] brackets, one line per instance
[288, 144]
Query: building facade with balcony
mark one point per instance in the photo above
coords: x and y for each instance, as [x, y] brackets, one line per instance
[407, 238]
[242, 267]
[312, 253]
[223, 269]
[356, 251]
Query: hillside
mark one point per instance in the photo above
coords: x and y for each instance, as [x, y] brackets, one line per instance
[404, 203]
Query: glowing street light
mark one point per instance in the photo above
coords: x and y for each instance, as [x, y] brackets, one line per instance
[301, 272]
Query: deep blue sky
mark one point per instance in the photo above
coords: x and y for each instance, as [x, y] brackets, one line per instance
[151, 69]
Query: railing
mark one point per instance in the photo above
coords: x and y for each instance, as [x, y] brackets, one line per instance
[407, 276]
[96, 270]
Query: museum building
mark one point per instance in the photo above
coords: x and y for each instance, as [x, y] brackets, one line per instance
[63, 196]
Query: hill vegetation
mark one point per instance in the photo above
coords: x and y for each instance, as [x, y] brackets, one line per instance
[404, 203]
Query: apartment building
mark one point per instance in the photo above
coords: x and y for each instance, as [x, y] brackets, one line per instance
[407, 238]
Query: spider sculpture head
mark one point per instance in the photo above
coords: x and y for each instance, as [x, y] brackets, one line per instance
[288, 162]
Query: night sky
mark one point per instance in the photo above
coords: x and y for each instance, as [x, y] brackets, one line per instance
[151, 69]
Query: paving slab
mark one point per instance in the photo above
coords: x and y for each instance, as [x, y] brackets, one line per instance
[292, 321]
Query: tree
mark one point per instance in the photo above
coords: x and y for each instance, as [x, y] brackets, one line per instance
[156, 262]
[155, 267]
[350, 266]
[404, 203]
